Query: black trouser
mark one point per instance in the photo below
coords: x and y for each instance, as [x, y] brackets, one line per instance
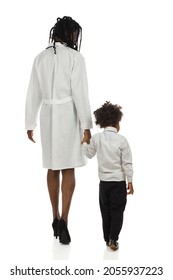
[112, 198]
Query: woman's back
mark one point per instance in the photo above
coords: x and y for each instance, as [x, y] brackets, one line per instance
[54, 71]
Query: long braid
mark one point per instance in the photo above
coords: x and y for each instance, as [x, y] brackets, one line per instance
[66, 30]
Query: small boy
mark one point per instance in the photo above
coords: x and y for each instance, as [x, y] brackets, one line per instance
[114, 168]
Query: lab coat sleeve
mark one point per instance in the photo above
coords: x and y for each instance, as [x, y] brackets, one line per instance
[33, 100]
[79, 86]
[127, 160]
[89, 150]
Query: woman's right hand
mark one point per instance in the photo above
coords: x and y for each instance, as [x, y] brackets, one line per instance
[30, 135]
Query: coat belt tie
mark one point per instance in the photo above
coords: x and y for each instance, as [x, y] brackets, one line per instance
[58, 101]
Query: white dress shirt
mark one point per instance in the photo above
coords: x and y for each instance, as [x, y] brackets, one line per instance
[113, 155]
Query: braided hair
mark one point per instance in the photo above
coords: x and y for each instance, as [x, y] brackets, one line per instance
[66, 30]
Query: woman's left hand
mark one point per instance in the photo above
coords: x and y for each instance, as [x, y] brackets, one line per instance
[87, 136]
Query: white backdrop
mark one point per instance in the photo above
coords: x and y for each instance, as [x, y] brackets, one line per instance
[128, 47]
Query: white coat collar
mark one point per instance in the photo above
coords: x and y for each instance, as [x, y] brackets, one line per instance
[60, 44]
[57, 44]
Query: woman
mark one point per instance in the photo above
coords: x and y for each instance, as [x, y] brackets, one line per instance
[58, 85]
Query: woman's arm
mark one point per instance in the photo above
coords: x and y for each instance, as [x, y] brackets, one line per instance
[33, 101]
[79, 86]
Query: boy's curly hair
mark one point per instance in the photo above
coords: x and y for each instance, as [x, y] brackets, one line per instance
[108, 115]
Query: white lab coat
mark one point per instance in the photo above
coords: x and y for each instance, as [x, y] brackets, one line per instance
[58, 85]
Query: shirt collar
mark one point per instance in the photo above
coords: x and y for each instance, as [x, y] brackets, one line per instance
[110, 128]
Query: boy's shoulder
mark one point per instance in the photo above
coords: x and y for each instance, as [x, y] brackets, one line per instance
[99, 134]
[121, 138]
[96, 135]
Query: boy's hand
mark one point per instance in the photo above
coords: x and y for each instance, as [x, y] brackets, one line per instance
[130, 188]
[30, 135]
[87, 136]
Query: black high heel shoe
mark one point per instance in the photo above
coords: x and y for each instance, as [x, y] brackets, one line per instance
[64, 236]
[55, 226]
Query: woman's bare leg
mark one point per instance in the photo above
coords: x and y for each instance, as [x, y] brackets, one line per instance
[68, 185]
[53, 188]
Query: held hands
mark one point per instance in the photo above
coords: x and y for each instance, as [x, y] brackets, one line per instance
[87, 136]
[130, 188]
[30, 135]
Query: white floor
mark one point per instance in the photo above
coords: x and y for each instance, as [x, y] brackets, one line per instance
[27, 236]
[25, 218]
